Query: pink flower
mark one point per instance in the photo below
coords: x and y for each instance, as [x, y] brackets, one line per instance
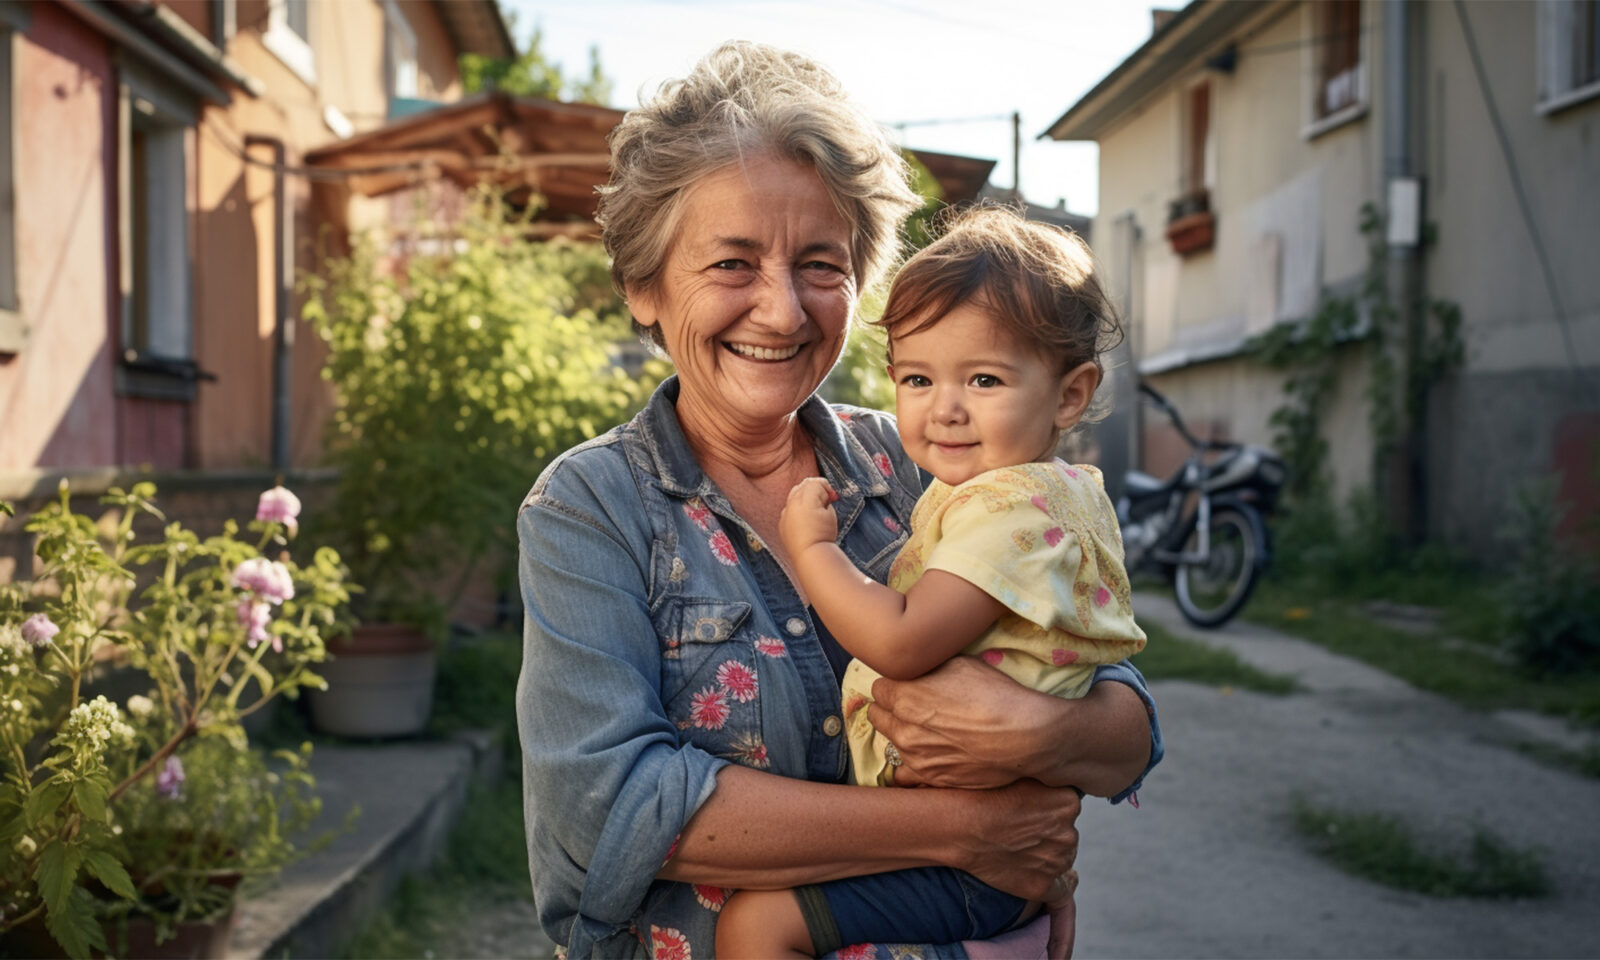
[1039, 502]
[671, 850]
[278, 505]
[1053, 536]
[1061, 657]
[892, 524]
[712, 898]
[38, 630]
[696, 510]
[254, 615]
[708, 709]
[771, 647]
[267, 579]
[667, 943]
[857, 951]
[1102, 597]
[993, 657]
[881, 460]
[170, 779]
[722, 549]
[738, 680]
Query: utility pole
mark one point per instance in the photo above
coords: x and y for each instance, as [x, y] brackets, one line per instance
[1016, 154]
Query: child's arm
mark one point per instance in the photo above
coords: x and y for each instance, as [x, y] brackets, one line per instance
[901, 636]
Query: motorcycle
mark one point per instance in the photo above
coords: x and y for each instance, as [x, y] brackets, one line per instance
[1203, 528]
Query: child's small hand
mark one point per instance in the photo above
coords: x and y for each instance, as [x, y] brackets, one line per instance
[808, 517]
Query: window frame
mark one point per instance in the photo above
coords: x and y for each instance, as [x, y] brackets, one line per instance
[1554, 62]
[148, 108]
[13, 321]
[295, 51]
[397, 30]
[1312, 58]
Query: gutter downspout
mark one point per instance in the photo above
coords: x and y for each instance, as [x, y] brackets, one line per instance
[1405, 470]
[282, 330]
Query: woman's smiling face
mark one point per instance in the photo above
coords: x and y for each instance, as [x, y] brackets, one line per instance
[755, 293]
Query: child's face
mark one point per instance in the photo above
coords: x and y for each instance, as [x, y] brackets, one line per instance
[969, 399]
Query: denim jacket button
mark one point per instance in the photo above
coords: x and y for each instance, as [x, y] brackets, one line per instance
[832, 726]
[796, 626]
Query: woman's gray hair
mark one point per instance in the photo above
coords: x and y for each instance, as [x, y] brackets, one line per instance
[743, 99]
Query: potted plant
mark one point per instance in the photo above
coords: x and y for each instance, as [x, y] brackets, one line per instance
[133, 821]
[459, 372]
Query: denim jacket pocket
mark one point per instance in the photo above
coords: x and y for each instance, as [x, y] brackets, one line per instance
[696, 635]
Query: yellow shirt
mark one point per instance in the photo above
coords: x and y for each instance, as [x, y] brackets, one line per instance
[1042, 538]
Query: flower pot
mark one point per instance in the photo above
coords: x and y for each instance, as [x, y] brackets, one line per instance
[380, 683]
[192, 940]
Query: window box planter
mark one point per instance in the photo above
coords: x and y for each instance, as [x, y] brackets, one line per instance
[1191, 226]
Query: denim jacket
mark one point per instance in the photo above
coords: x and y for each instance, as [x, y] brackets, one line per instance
[661, 643]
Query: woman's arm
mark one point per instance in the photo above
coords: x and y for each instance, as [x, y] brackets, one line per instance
[969, 725]
[759, 831]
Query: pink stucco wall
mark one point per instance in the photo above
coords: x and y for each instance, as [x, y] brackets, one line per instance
[56, 403]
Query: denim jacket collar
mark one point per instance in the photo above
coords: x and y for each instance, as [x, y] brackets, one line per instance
[839, 453]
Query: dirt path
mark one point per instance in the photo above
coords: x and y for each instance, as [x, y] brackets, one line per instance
[1210, 866]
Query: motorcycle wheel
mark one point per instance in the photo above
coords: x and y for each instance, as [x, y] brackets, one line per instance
[1210, 593]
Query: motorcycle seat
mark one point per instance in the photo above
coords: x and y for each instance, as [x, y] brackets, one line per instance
[1139, 484]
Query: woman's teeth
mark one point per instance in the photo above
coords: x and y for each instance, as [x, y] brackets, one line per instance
[763, 353]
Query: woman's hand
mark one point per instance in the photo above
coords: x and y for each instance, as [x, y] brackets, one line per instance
[965, 724]
[808, 517]
[1026, 839]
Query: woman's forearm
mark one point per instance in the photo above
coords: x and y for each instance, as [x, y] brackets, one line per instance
[1098, 743]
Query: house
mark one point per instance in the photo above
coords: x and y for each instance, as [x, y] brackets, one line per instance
[154, 210]
[1238, 146]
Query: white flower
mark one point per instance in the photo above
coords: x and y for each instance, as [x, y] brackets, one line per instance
[278, 505]
[25, 846]
[38, 630]
[140, 705]
[94, 723]
[267, 579]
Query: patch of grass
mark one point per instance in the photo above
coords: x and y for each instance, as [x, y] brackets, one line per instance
[1383, 850]
[1585, 762]
[1168, 657]
[1457, 661]
[484, 859]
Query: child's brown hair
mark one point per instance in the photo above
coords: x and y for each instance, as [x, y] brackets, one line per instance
[1037, 280]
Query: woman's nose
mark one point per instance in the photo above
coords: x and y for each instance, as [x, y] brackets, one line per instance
[777, 306]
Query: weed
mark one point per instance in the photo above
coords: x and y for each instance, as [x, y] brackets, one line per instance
[1383, 850]
[1168, 657]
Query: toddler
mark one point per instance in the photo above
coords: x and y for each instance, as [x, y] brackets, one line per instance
[995, 333]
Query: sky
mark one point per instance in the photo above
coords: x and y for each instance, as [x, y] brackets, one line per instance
[967, 63]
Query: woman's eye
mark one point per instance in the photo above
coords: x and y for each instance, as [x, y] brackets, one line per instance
[727, 265]
[985, 380]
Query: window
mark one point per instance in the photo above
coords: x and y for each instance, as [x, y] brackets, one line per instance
[1340, 84]
[400, 52]
[13, 331]
[1196, 176]
[1569, 53]
[288, 36]
[157, 312]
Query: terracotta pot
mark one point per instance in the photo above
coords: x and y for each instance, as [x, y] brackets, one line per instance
[380, 683]
[194, 940]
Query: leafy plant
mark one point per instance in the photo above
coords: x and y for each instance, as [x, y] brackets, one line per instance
[460, 373]
[533, 74]
[111, 811]
[1550, 600]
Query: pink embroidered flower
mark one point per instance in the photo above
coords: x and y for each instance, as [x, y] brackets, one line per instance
[857, 951]
[756, 757]
[278, 505]
[1071, 472]
[696, 510]
[881, 460]
[712, 898]
[267, 579]
[1053, 536]
[771, 647]
[671, 850]
[1102, 597]
[1039, 502]
[749, 750]
[993, 657]
[738, 680]
[1061, 657]
[708, 709]
[254, 615]
[843, 417]
[722, 549]
[666, 943]
[169, 782]
[892, 524]
[39, 630]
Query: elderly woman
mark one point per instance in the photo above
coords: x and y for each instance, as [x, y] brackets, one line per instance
[679, 704]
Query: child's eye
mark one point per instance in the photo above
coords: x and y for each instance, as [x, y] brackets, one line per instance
[915, 380]
[985, 380]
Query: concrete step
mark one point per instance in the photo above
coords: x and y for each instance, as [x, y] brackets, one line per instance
[409, 795]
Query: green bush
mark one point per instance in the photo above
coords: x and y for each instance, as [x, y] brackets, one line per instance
[1550, 603]
[460, 373]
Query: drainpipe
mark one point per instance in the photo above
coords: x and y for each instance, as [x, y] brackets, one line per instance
[282, 330]
[1119, 442]
[1405, 470]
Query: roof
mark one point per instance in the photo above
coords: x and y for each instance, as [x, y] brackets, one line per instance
[476, 26]
[557, 149]
[1194, 32]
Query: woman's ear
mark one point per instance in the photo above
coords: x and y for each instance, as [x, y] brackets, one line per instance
[1077, 391]
[643, 306]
